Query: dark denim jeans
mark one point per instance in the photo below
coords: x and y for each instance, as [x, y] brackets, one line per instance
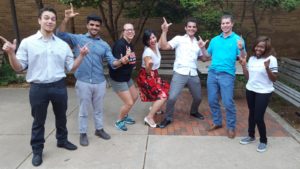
[40, 95]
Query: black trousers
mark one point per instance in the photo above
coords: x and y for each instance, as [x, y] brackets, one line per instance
[257, 104]
[40, 95]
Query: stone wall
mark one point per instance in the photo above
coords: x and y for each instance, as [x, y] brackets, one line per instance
[281, 26]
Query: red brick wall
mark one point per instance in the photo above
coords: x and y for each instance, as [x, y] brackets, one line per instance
[281, 26]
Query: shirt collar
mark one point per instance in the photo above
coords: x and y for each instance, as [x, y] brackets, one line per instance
[89, 36]
[187, 36]
[39, 35]
[222, 35]
[123, 39]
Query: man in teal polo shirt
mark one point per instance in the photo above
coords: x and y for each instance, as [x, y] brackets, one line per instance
[224, 50]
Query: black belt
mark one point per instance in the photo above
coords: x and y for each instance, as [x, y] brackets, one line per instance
[60, 83]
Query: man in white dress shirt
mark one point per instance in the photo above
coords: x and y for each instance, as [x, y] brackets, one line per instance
[187, 53]
[45, 57]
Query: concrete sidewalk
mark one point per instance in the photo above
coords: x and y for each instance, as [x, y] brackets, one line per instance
[134, 149]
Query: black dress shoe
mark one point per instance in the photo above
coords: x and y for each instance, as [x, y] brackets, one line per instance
[83, 139]
[164, 123]
[101, 133]
[197, 115]
[37, 159]
[67, 145]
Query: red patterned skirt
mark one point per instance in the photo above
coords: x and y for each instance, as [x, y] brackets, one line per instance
[152, 87]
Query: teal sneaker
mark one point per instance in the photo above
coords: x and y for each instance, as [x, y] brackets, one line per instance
[120, 124]
[128, 120]
[247, 140]
[262, 147]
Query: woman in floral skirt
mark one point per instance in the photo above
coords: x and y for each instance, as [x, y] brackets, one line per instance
[152, 87]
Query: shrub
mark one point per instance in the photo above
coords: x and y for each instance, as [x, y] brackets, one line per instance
[8, 75]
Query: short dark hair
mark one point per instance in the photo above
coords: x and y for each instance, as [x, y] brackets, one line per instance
[50, 9]
[194, 20]
[227, 16]
[269, 49]
[93, 17]
[146, 36]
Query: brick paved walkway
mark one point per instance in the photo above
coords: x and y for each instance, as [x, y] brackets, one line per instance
[183, 124]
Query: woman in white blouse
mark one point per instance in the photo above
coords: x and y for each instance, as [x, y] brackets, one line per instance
[152, 87]
[260, 71]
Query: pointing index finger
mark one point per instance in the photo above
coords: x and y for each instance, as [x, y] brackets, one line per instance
[164, 19]
[86, 45]
[200, 38]
[128, 48]
[72, 9]
[3, 39]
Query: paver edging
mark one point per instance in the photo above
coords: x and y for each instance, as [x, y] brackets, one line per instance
[294, 133]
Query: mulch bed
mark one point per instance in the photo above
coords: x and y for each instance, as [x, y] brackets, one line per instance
[286, 110]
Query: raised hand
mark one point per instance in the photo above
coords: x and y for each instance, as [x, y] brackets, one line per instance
[165, 25]
[7, 46]
[150, 63]
[202, 43]
[128, 50]
[124, 60]
[243, 60]
[84, 50]
[69, 13]
[240, 43]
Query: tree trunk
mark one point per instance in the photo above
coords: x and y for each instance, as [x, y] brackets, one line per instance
[73, 25]
[15, 21]
[143, 20]
[243, 12]
[107, 25]
[254, 18]
[39, 4]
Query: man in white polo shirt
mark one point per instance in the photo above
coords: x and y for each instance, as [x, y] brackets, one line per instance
[187, 53]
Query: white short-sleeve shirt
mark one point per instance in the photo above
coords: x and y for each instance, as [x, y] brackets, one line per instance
[187, 53]
[258, 78]
[156, 57]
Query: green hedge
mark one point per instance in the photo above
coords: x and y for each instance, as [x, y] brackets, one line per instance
[9, 76]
